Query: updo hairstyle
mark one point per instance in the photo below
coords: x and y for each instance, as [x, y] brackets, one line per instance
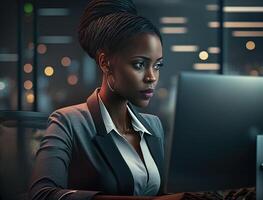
[109, 24]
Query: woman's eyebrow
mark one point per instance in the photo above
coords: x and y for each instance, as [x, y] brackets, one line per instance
[146, 58]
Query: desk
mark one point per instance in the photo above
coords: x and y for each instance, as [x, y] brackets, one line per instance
[164, 197]
[242, 193]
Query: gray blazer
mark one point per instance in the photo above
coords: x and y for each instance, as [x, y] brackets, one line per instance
[76, 153]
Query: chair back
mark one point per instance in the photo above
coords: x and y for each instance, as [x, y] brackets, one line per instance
[20, 136]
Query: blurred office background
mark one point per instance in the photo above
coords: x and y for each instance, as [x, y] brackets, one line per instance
[42, 66]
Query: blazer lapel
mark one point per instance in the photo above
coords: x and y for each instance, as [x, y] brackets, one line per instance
[154, 145]
[109, 149]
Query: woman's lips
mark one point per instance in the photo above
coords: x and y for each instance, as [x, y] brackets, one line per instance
[147, 93]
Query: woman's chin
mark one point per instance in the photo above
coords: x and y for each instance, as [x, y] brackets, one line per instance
[141, 103]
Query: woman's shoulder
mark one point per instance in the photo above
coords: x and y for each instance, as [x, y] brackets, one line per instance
[72, 109]
[150, 118]
[71, 113]
[154, 122]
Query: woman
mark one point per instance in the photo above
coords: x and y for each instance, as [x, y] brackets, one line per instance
[104, 146]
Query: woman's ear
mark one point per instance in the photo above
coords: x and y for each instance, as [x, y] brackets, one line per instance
[103, 62]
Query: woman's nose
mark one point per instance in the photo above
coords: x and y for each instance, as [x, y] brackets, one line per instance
[150, 75]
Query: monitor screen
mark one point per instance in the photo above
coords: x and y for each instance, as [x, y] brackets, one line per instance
[213, 145]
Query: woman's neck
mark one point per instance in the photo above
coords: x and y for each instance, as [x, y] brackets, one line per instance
[117, 108]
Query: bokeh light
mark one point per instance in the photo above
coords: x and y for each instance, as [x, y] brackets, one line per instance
[65, 61]
[162, 93]
[28, 68]
[30, 45]
[41, 49]
[28, 8]
[250, 45]
[28, 84]
[30, 98]
[203, 55]
[2, 85]
[72, 79]
[254, 72]
[61, 95]
[49, 71]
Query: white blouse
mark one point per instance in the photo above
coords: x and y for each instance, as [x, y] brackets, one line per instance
[146, 177]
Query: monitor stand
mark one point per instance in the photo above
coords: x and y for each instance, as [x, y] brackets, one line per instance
[259, 168]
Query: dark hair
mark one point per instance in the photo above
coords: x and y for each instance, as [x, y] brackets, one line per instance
[108, 24]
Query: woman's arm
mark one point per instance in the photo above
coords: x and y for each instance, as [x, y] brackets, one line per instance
[50, 174]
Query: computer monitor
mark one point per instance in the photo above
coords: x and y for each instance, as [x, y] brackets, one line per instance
[217, 120]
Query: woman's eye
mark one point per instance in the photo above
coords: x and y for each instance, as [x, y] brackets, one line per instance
[158, 65]
[138, 65]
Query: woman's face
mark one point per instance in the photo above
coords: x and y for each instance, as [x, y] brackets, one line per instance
[136, 69]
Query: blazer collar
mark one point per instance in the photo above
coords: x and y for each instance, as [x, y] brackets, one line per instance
[109, 150]
[109, 125]
[107, 146]
[155, 146]
[93, 105]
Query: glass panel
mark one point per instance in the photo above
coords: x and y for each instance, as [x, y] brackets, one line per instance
[66, 74]
[8, 55]
[243, 41]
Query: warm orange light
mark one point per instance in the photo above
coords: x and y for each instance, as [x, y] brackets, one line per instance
[162, 93]
[184, 48]
[173, 20]
[31, 45]
[174, 30]
[72, 80]
[28, 68]
[28, 85]
[254, 72]
[30, 98]
[49, 71]
[247, 33]
[236, 24]
[66, 61]
[206, 66]
[243, 9]
[213, 24]
[203, 55]
[250, 45]
[41, 49]
[212, 7]
[213, 50]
